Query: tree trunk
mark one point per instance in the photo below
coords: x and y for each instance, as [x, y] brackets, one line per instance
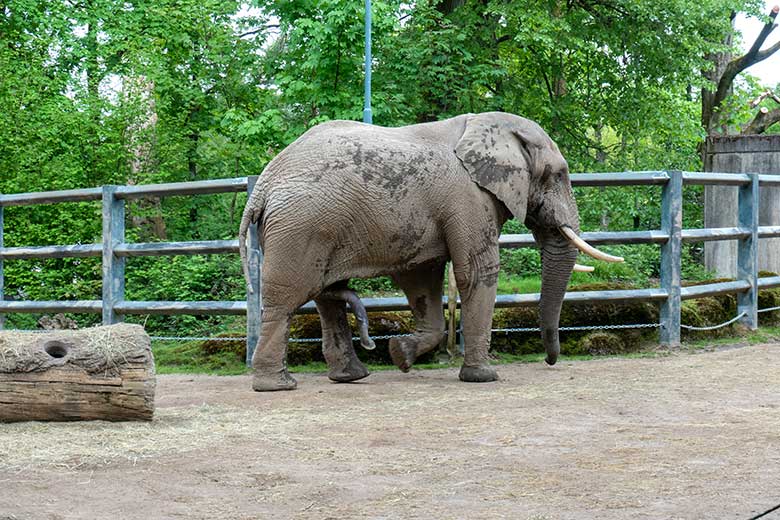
[104, 373]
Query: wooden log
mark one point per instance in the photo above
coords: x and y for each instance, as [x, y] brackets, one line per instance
[102, 373]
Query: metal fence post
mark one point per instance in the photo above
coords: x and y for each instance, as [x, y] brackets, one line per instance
[2, 275]
[367, 115]
[254, 301]
[747, 251]
[671, 252]
[113, 265]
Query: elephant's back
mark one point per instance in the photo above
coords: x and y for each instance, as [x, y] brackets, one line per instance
[375, 193]
[353, 160]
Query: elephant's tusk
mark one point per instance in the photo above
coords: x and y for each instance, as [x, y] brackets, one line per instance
[583, 268]
[587, 248]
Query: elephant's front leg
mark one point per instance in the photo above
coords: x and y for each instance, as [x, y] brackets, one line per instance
[477, 280]
[343, 363]
[423, 289]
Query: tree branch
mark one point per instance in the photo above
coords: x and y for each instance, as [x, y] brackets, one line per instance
[504, 38]
[763, 120]
[766, 94]
[753, 56]
[258, 30]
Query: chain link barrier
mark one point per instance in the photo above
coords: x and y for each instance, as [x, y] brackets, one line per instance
[389, 336]
[713, 327]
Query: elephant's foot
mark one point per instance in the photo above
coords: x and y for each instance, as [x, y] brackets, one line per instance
[271, 381]
[403, 352]
[478, 374]
[354, 371]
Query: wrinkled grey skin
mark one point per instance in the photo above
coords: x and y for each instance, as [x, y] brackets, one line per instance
[353, 200]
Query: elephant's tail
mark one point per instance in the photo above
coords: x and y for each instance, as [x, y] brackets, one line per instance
[252, 213]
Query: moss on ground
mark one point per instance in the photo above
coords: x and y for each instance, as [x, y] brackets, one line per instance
[227, 357]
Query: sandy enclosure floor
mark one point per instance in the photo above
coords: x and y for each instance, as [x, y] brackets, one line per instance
[689, 436]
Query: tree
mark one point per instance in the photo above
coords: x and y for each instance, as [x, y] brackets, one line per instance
[723, 70]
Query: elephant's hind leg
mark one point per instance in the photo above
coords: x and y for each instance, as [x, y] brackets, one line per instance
[269, 361]
[423, 289]
[343, 364]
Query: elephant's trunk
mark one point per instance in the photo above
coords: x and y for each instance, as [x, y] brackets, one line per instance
[558, 256]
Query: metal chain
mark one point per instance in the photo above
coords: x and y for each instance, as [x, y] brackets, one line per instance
[291, 340]
[354, 338]
[713, 327]
[508, 329]
[195, 338]
[769, 309]
[583, 327]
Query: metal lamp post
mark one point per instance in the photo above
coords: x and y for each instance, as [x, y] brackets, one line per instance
[367, 117]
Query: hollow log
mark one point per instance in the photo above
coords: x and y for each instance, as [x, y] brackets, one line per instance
[102, 373]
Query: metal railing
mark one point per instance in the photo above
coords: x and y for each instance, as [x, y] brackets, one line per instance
[115, 250]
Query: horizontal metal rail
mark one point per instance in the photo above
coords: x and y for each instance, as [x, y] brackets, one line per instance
[75, 306]
[508, 241]
[26, 253]
[768, 231]
[209, 247]
[167, 307]
[714, 289]
[769, 180]
[396, 303]
[617, 296]
[715, 179]
[182, 188]
[51, 197]
[769, 282]
[649, 178]
[592, 237]
[710, 234]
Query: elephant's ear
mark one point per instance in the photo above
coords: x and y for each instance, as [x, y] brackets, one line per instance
[497, 157]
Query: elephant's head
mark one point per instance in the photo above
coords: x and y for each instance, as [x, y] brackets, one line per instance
[515, 160]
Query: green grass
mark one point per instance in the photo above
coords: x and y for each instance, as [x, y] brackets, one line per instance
[188, 358]
[753, 337]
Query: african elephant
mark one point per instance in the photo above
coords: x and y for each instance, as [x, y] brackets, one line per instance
[348, 199]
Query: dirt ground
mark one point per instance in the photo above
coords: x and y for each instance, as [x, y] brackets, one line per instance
[688, 436]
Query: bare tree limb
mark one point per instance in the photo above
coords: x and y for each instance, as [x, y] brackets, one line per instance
[763, 120]
[750, 58]
[258, 30]
[766, 94]
[762, 55]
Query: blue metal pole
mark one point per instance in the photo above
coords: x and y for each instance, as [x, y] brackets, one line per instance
[747, 251]
[254, 301]
[367, 116]
[671, 264]
[2, 277]
[113, 265]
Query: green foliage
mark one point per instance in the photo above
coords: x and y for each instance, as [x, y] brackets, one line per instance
[379, 285]
[138, 91]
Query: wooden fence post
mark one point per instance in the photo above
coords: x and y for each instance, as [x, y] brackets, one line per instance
[113, 265]
[747, 251]
[671, 265]
[254, 300]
